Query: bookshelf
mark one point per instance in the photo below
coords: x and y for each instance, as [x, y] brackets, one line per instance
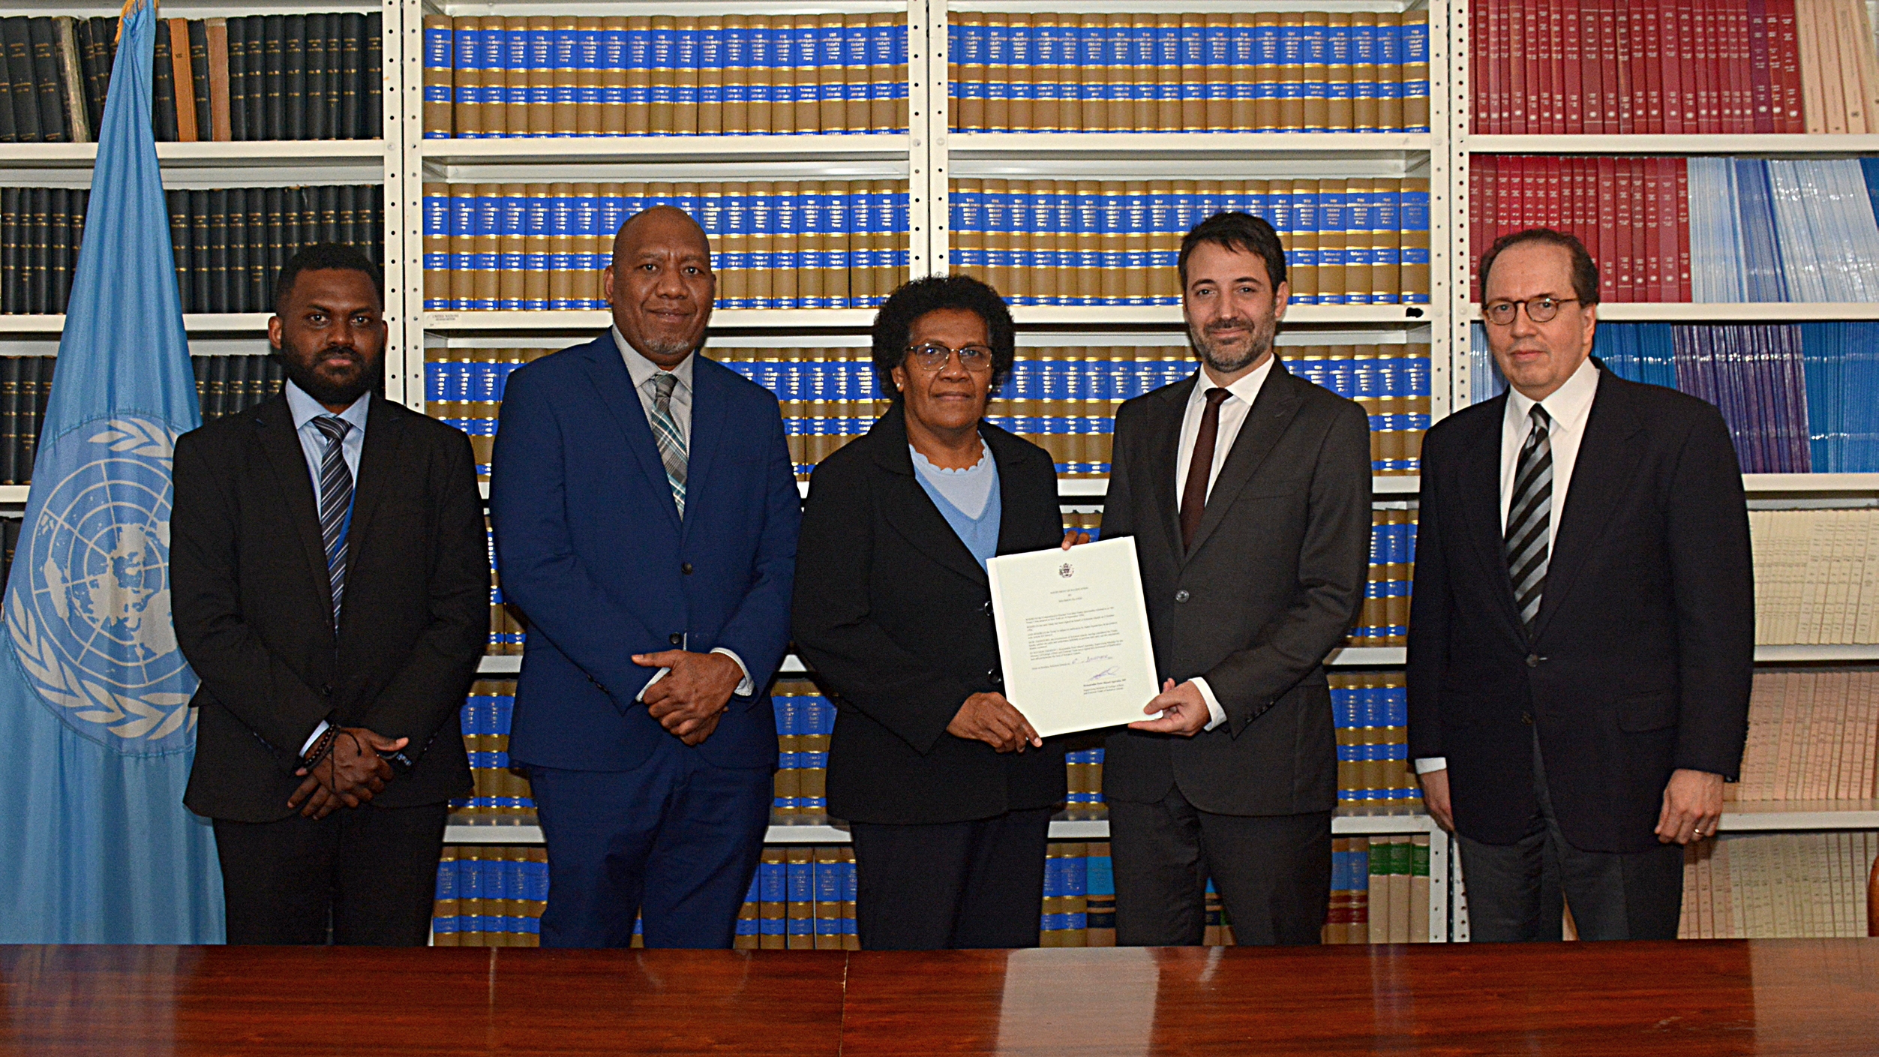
[930, 155]
[1825, 491]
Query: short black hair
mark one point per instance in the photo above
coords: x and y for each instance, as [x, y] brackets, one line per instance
[1584, 269]
[1237, 231]
[323, 256]
[894, 322]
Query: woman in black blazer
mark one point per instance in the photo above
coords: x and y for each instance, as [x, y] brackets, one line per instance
[948, 790]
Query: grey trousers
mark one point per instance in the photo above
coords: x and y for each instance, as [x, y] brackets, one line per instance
[1516, 892]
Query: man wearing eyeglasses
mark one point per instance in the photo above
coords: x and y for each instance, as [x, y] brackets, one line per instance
[646, 515]
[1581, 641]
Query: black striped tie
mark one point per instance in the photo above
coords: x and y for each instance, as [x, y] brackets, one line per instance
[335, 500]
[1529, 519]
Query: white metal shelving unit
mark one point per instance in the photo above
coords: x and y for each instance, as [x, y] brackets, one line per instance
[1764, 490]
[678, 157]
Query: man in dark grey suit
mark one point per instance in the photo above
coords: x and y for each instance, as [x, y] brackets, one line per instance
[1248, 493]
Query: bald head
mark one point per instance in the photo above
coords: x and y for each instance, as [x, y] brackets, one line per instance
[660, 284]
[659, 225]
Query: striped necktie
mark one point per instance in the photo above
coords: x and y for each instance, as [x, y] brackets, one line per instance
[665, 430]
[335, 502]
[1529, 519]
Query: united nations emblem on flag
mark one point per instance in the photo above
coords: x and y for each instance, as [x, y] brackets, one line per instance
[89, 612]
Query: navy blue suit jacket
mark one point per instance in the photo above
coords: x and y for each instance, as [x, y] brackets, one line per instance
[590, 545]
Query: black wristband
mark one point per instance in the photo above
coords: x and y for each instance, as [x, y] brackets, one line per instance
[321, 748]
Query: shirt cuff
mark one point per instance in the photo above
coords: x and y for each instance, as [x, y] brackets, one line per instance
[656, 676]
[1425, 764]
[1213, 703]
[315, 736]
[745, 687]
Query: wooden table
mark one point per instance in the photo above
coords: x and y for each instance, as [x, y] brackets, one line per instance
[1685, 999]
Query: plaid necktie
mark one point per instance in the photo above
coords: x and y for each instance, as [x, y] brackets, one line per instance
[665, 430]
[1529, 519]
[335, 501]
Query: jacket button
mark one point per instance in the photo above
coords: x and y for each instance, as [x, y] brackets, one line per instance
[326, 690]
[1533, 660]
[992, 675]
[988, 609]
[1181, 595]
[686, 568]
[1527, 718]
[675, 638]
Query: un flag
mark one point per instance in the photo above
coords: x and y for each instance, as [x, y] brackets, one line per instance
[96, 733]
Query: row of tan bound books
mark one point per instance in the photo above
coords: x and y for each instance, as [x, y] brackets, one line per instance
[1785, 885]
[1117, 242]
[774, 243]
[665, 75]
[1063, 398]
[1816, 576]
[1189, 71]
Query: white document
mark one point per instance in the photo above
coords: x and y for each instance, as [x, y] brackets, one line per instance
[1073, 636]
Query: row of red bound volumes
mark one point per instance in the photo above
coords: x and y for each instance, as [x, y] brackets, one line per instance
[1621, 67]
[1633, 214]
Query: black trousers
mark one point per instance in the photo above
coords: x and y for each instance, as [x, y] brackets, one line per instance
[951, 884]
[1273, 873]
[369, 871]
[1517, 892]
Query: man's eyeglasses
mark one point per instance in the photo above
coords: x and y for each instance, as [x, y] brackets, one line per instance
[1539, 309]
[932, 357]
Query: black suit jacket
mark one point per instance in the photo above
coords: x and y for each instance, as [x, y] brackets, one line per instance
[253, 605]
[1644, 647]
[895, 616]
[1275, 576]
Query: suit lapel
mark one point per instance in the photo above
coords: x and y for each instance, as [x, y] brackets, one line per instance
[379, 461]
[1481, 506]
[1266, 421]
[707, 427]
[1608, 457]
[910, 511]
[1165, 447]
[607, 371]
[274, 431]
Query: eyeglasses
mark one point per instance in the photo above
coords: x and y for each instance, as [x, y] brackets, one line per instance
[1539, 309]
[933, 356]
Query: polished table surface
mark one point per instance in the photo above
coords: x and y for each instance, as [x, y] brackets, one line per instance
[1686, 999]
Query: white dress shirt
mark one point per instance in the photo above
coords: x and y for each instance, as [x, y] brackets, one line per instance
[642, 371]
[304, 410]
[1233, 410]
[1568, 407]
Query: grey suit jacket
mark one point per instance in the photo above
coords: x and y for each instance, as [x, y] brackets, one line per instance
[1271, 585]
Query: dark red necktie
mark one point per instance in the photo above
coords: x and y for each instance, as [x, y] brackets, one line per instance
[1200, 467]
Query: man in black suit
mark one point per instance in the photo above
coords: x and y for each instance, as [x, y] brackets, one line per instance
[1248, 493]
[1579, 661]
[335, 630]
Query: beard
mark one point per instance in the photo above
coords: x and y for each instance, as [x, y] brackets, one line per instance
[331, 388]
[1227, 358]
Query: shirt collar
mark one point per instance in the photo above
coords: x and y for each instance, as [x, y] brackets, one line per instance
[1567, 406]
[1246, 389]
[639, 368]
[305, 409]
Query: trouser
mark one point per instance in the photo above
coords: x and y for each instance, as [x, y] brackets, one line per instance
[1273, 873]
[363, 876]
[1516, 892]
[952, 884]
[674, 841]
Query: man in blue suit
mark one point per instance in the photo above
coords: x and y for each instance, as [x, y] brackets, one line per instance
[646, 515]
